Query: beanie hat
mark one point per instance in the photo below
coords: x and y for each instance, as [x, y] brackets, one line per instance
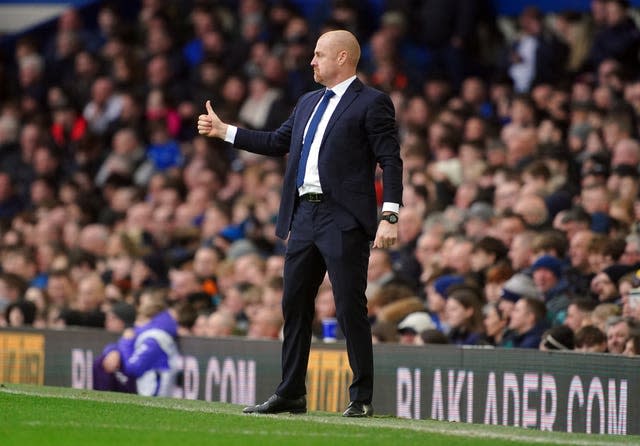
[416, 322]
[125, 312]
[616, 271]
[549, 262]
[519, 285]
[443, 282]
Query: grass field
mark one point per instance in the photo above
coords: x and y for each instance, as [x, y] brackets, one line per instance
[42, 416]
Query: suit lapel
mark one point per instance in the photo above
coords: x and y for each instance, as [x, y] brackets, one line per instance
[306, 109]
[345, 101]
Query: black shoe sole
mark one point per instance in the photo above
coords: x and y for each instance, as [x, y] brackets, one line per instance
[292, 411]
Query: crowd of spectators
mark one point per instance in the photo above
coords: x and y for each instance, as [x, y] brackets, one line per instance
[519, 225]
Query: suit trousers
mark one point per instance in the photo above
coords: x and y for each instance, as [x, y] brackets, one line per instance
[316, 245]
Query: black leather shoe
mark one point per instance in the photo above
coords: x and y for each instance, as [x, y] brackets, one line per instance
[277, 404]
[358, 409]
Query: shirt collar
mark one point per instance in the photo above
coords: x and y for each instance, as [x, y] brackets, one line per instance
[341, 88]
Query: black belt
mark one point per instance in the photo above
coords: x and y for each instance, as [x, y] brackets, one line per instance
[312, 198]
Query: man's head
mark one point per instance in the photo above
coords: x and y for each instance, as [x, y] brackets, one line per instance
[547, 271]
[579, 249]
[579, 312]
[335, 57]
[618, 331]
[591, 339]
[526, 314]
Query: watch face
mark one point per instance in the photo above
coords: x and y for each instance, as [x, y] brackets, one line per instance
[391, 218]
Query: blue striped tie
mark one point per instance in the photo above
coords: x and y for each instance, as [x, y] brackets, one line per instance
[311, 133]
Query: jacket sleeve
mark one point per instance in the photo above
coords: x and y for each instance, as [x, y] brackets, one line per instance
[136, 361]
[383, 138]
[275, 143]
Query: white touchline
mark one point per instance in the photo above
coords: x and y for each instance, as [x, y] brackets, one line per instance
[461, 429]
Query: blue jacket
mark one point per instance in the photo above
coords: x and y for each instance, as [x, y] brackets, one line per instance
[151, 355]
[529, 339]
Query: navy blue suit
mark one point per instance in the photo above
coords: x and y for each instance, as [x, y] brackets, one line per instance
[332, 235]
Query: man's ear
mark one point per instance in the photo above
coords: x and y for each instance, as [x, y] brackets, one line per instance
[342, 57]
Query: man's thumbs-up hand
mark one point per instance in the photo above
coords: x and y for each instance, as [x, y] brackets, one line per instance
[210, 124]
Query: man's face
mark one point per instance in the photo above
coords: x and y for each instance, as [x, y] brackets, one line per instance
[617, 336]
[519, 253]
[325, 62]
[602, 285]
[574, 318]
[481, 259]
[578, 249]
[544, 279]
[520, 317]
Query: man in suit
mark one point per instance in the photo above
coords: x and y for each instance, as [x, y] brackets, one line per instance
[334, 138]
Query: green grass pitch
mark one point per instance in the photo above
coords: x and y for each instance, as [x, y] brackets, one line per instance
[54, 416]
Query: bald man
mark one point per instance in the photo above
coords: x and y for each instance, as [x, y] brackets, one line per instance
[334, 139]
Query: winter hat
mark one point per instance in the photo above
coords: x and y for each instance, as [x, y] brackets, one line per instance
[519, 285]
[416, 322]
[443, 282]
[616, 271]
[549, 262]
[125, 312]
[481, 211]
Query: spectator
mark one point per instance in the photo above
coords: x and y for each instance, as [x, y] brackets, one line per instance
[605, 284]
[618, 330]
[590, 339]
[404, 260]
[105, 106]
[526, 323]
[538, 56]
[12, 288]
[220, 323]
[518, 286]
[182, 283]
[265, 324]
[520, 251]
[487, 251]
[580, 273]
[464, 316]
[437, 298]
[495, 324]
[560, 337]
[205, 263]
[127, 154]
[632, 347]
[144, 360]
[20, 314]
[412, 326]
[619, 37]
[495, 278]
[119, 317]
[579, 313]
[428, 253]
[380, 272]
[86, 306]
[547, 276]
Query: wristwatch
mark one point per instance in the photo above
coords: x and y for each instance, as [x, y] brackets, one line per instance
[391, 218]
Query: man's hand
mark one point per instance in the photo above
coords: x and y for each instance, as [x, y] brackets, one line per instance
[386, 236]
[210, 124]
[111, 361]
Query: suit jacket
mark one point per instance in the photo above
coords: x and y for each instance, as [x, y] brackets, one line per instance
[360, 134]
